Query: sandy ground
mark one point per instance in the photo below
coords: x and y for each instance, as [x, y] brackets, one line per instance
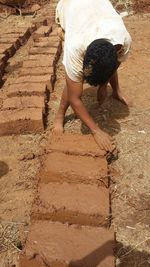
[20, 158]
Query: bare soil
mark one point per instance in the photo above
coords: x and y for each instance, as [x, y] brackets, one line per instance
[20, 155]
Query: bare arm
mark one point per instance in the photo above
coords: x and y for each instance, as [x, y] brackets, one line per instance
[75, 90]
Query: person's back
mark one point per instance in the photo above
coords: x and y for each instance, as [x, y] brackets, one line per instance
[85, 21]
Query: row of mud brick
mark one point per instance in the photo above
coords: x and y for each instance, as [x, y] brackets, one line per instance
[23, 102]
[70, 217]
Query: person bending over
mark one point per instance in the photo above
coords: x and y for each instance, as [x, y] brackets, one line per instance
[95, 43]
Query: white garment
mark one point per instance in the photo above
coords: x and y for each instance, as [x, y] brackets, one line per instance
[85, 21]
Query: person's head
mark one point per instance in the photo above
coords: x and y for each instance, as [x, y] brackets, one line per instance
[100, 62]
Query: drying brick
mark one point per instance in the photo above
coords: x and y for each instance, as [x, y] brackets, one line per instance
[23, 31]
[84, 169]
[18, 36]
[39, 62]
[63, 245]
[26, 89]
[72, 203]
[23, 102]
[37, 71]
[42, 31]
[21, 121]
[47, 79]
[43, 51]
[50, 39]
[10, 40]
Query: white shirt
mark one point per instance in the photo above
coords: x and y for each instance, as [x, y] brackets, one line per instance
[83, 22]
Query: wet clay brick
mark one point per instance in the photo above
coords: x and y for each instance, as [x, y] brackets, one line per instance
[42, 31]
[43, 51]
[37, 71]
[21, 121]
[75, 144]
[65, 246]
[46, 79]
[26, 89]
[59, 167]
[23, 102]
[72, 203]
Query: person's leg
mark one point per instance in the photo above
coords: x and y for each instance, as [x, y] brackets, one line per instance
[117, 94]
[59, 119]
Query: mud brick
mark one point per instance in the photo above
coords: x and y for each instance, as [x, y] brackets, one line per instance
[23, 31]
[18, 36]
[21, 121]
[23, 102]
[11, 40]
[39, 62]
[62, 245]
[8, 49]
[27, 89]
[37, 71]
[59, 167]
[47, 39]
[46, 79]
[48, 43]
[43, 51]
[42, 31]
[72, 203]
[69, 144]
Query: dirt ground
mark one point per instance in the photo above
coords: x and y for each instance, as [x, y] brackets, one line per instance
[20, 156]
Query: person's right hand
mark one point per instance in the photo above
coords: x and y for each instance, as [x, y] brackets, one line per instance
[104, 140]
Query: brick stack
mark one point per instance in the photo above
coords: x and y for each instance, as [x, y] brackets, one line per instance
[10, 41]
[24, 108]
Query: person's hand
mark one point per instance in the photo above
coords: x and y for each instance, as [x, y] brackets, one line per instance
[104, 141]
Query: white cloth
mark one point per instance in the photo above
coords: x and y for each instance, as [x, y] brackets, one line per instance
[85, 21]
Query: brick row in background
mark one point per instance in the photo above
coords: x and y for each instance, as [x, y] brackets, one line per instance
[23, 109]
[10, 41]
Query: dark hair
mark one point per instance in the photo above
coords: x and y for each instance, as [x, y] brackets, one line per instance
[100, 62]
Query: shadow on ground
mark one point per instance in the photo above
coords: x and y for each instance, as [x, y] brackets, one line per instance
[126, 257]
[105, 116]
[130, 257]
